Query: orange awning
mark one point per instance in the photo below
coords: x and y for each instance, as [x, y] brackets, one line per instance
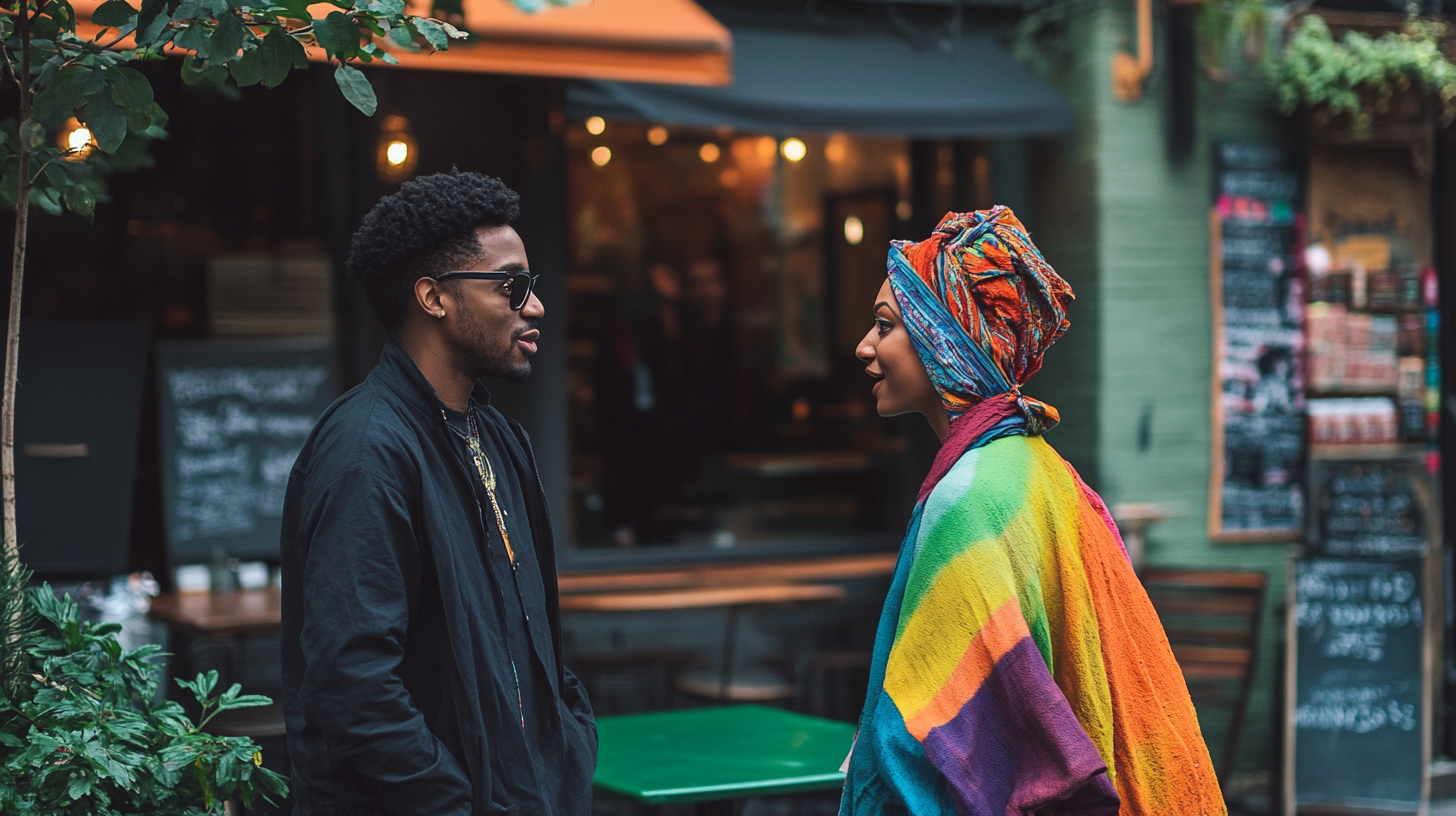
[668, 41]
[665, 41]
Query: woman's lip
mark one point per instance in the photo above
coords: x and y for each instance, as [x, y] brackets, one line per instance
[876, 389]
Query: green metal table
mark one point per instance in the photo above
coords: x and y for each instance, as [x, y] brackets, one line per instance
[713, 756]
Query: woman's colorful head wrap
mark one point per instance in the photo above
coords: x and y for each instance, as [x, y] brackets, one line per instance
[982, 306]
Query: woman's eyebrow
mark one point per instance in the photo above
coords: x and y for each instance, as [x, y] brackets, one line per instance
[883, 303]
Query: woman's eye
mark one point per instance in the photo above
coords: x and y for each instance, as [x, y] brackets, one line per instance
[883, 325]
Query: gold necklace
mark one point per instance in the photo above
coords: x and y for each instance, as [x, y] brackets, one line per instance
[487, 478]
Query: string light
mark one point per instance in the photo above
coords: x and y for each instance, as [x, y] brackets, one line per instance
[657, 135]
[601, 155]
[853, 230]
[596, 125]
[794, 149]
[76, 140]
[709, 152]
[398, 151]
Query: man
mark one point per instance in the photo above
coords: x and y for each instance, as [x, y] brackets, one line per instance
[422, 664]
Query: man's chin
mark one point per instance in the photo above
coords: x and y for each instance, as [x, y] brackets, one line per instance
[518, 373]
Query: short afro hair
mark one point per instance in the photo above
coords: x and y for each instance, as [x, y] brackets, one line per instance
[425, 229]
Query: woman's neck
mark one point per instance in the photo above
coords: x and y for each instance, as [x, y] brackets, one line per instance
[939, 420]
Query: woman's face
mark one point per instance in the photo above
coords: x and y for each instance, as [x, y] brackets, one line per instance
[901, 386]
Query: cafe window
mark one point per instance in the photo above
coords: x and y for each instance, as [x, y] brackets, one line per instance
[718, 285]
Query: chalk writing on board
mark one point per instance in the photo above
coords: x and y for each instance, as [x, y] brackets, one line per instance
[1359, 628]
[1260, 365]
[239, 430]
[1370, 509]
[1359, 710]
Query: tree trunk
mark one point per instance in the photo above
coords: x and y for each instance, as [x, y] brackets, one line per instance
[17, 273]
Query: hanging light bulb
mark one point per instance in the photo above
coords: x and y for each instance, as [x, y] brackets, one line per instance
[76, 140]
[398, 150]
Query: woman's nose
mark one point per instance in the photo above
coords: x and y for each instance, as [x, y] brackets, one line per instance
[866, 349]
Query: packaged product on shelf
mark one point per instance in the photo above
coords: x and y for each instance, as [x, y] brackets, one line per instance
[1411, 397]
[1411, 335]
[1353, 421]
[1326, 327]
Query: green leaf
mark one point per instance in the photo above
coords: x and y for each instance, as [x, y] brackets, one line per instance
[34, 134]
[131, 90]
[248, 69]
[193, 38]
[388, 8]
[152, 20]
[227, 38]
[48, 199]
[279, 53]
[434, 33]
[80, 785]
[198, 72]
[295, 9]
[338, 35]
[356, 88]
[205, 683]
[45, 28]
[113, 14]
[187, 10]
[404, 36]
[69, 87]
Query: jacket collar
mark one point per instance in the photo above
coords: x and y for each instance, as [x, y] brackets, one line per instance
[397, 372]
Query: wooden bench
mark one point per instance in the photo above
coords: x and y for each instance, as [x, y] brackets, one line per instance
[1213, 618]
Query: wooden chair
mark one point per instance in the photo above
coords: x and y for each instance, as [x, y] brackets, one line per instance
[1213, 619]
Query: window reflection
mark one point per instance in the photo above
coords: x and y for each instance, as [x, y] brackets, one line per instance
[716, 295]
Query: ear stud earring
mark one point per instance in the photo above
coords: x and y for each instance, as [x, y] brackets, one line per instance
[439, 314]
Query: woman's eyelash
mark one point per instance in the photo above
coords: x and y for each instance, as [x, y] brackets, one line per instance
[883, 324]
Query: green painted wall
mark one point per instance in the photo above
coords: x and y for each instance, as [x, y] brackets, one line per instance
[1129, 229]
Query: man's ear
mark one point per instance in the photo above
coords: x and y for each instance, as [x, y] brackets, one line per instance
[432, 297]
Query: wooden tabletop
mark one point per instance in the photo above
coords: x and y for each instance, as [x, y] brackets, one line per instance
[221, 613]
[759, 573]
[704, 585]
[700, 597]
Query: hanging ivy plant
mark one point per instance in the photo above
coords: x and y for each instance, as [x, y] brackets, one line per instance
[1359, 74]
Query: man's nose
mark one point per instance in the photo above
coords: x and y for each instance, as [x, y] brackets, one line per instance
[534, 308]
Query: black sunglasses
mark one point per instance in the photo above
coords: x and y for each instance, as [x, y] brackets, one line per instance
[521, 283]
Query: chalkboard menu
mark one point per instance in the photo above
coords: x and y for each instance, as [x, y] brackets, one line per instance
[234, 415]
[1358, 733]
[1259, 440]
[1374, 507]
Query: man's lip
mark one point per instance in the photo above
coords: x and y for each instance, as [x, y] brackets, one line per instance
[527, 346]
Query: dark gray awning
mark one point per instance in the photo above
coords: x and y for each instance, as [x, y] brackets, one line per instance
[786, 81]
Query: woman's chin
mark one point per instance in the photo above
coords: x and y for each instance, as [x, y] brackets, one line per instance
[888, 409]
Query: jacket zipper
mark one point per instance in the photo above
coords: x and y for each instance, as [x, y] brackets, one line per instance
[515, 579]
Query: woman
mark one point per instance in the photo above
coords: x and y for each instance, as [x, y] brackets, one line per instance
[1019, 667]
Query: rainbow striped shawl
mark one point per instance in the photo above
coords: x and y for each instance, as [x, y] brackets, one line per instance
[1019, 667]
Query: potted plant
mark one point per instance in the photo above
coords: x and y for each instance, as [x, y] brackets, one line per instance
[1356, 81]
[83, 731]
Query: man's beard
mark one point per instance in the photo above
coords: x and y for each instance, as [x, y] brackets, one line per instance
[489, 359]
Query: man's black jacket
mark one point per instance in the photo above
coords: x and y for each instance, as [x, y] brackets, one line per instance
[394, 665]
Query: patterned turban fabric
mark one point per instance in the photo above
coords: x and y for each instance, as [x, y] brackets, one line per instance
[982, 306]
